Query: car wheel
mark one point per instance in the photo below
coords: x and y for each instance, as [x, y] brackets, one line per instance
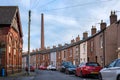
[66, 71]
[118, 77]
[81, 74]
[99, 76]
[76, 73]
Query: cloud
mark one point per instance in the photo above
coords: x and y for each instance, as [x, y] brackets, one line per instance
[103, 12]
[61, 20]
[63, 25]
[25, 3]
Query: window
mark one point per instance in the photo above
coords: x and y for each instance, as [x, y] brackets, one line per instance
[76, 50]
[9, 49]
[117, 64]
[70, 52]
[48, 56]
[58, 54]
[112, 64]
[14, 51]
[64, 55]
[43, 57]
[91, 46]
[84, 48]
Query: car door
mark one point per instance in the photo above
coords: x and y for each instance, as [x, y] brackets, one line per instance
[109, 71]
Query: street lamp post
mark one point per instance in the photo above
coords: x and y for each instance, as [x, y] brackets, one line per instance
[29, 42]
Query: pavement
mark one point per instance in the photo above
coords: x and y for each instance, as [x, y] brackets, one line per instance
[19, 76]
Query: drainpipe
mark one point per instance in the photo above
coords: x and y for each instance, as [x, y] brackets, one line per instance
[104, 48]
[79, 53]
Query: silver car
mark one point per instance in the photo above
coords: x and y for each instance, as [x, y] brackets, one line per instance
[51, 67]
[111, 72]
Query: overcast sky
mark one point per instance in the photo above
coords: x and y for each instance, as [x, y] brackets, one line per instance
[64, 19]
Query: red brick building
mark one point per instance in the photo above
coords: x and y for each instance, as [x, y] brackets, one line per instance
[11, 41]
[118, 39]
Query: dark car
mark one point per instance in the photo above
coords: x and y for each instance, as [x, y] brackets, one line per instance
[32, 68]
[64, 65]
[70, 69]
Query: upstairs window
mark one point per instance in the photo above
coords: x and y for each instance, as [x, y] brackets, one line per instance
[84, 49]
[64, 54]
[70, 52]
[101, 41]
[91, 46]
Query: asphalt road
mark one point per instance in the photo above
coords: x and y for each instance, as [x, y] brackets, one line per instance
[45, 75]
[56, 75]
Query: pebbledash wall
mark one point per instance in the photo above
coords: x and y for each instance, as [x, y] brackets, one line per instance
[102, 46]
[11, 41]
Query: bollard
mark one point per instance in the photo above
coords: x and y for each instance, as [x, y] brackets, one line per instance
[3, 72]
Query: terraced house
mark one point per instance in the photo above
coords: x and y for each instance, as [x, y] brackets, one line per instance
[11, 41]
[101, 46]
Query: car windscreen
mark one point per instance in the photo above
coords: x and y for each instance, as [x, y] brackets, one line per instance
[71, 66]
[92, 64]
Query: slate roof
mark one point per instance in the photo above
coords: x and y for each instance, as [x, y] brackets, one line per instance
[6, 14]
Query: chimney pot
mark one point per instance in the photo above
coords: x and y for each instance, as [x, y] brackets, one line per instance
[59, 45]
[72, 41]
[33, 50]
[36, 50]
[78, 38]
[54, 46]
[65, 44]
[113, 17]
[48, 47]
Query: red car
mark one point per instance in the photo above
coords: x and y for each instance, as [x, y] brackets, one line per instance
[32, 68]
[41, 67]
[89, 68]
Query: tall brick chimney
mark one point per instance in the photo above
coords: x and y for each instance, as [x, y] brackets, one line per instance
[42, 31]
[93, 30]
[113, 17]
[102, 25]
[85, 35]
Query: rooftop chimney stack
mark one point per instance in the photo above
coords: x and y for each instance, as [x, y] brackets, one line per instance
[42, 31]
[72, 41]
[54, 46]
[59, 45]
[113, 17]
[102, 25]
[85, 35]
[93, 30]
[78, 38]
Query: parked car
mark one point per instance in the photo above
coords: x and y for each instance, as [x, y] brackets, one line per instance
[51, 67]
[64, 65]
[70, 69]
[111, 72]
[88, 68]
[42, 67]
[32, 68]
